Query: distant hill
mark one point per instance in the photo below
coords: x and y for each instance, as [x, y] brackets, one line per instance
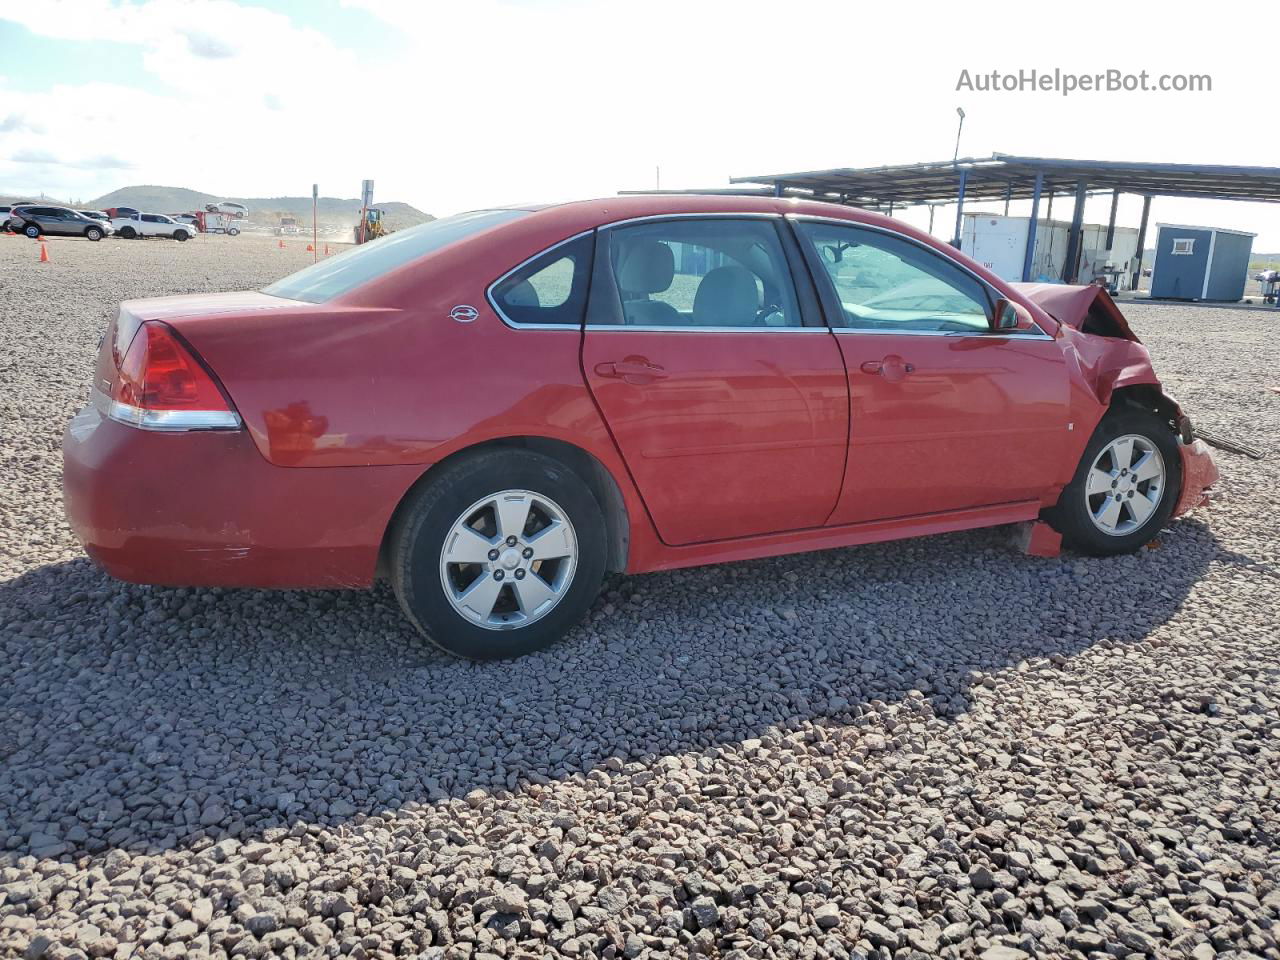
[335, 214]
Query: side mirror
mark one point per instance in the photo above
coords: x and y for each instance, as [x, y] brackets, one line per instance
[1004, 316]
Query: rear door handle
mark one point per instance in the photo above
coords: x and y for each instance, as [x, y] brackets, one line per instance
[892, 367]
[632, 370]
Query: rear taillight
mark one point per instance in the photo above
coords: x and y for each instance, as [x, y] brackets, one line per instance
[160, 385]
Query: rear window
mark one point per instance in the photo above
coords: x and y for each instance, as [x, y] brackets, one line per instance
[348, 270]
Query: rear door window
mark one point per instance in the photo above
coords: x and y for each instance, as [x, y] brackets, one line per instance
[703, 272]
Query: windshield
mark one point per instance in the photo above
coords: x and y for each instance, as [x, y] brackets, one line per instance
[338, 275]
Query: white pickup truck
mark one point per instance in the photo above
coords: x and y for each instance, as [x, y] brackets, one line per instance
[152, 225]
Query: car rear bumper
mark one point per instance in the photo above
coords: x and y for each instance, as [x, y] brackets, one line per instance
[1199, 473]
[206, 509]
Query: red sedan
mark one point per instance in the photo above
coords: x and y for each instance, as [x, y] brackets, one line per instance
[495, 409]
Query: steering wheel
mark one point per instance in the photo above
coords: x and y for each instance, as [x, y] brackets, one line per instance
[767, 311]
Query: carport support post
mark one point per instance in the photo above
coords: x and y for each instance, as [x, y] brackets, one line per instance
[777, 189]
[1071, 269]
[1142, 240]
[964, 181]
[1008, 195]
[1111, 223]
[1028, 258]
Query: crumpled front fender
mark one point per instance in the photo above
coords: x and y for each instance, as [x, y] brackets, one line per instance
[1199, 473]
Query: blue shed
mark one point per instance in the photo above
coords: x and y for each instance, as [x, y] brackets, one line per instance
[1200, 263]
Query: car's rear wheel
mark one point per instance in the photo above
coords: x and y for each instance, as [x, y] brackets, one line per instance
[499, 555]
[94, 234]
[128, 233]
[31, 230]
[1125, 487]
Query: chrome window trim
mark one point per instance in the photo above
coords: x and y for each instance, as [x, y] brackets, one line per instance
[994, 293]
[700, 215]
[985, 335]
[690, 328]
[164, 421]
[492, 301]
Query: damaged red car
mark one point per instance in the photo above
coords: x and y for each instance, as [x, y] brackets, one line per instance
[492, 410]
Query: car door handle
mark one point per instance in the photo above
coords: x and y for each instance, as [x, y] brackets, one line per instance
[632, 370]
[892, 367]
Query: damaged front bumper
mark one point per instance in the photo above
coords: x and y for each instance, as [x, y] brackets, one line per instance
[1199, 473]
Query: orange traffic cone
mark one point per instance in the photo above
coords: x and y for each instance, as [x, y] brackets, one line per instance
[310, 248]
[281, 244]
[44, 253]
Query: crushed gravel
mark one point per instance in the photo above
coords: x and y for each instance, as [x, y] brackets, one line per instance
[935, 748]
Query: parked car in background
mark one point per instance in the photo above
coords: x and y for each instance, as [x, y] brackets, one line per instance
[683, 380]
[6, 211]
[35, 220]
[188, 218]
[117, 212]
[152, 225]
[209, 221]
[229, 207]
[95, 215]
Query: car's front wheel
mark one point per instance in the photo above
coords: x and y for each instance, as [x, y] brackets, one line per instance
[94, 234]
[181, 235]
[1125, 487]
[499, 555]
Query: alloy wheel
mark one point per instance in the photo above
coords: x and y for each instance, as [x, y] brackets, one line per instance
[1125, 485]
[508, 560]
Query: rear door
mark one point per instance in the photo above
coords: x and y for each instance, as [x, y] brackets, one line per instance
[723, 389]
[49, 219]
[947, 414]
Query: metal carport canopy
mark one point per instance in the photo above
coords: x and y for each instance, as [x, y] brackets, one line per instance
[1004, 177]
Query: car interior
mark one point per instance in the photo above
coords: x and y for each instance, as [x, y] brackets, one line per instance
[701, 280]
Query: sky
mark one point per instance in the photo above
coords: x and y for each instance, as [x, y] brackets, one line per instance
[456, 105]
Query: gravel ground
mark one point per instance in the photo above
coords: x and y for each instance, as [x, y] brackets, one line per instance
[936, 748]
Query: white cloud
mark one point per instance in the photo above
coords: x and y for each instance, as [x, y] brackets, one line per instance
[491, 101]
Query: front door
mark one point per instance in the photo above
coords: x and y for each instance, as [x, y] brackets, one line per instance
[730, 411]
[946, 414]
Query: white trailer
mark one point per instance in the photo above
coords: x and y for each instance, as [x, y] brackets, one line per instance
[999, 243]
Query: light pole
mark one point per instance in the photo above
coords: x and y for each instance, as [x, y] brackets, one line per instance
[956, 156]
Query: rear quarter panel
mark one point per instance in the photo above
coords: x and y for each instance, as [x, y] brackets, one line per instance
[386, 378]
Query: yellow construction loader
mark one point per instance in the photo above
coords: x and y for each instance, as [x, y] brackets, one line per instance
[371, 227]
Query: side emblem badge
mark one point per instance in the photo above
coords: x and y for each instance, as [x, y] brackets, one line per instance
[464, 313]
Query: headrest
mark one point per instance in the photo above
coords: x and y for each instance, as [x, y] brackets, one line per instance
[727, 297]
[522, 295]
[645, 266]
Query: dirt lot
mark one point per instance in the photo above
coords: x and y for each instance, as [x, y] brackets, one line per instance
[939, 748]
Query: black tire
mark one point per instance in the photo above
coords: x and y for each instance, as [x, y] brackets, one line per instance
[94, 234]
[128, 233]
[31, 230]
[426, 520]
[181, 236]
[1072, 518]
[234, 232]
